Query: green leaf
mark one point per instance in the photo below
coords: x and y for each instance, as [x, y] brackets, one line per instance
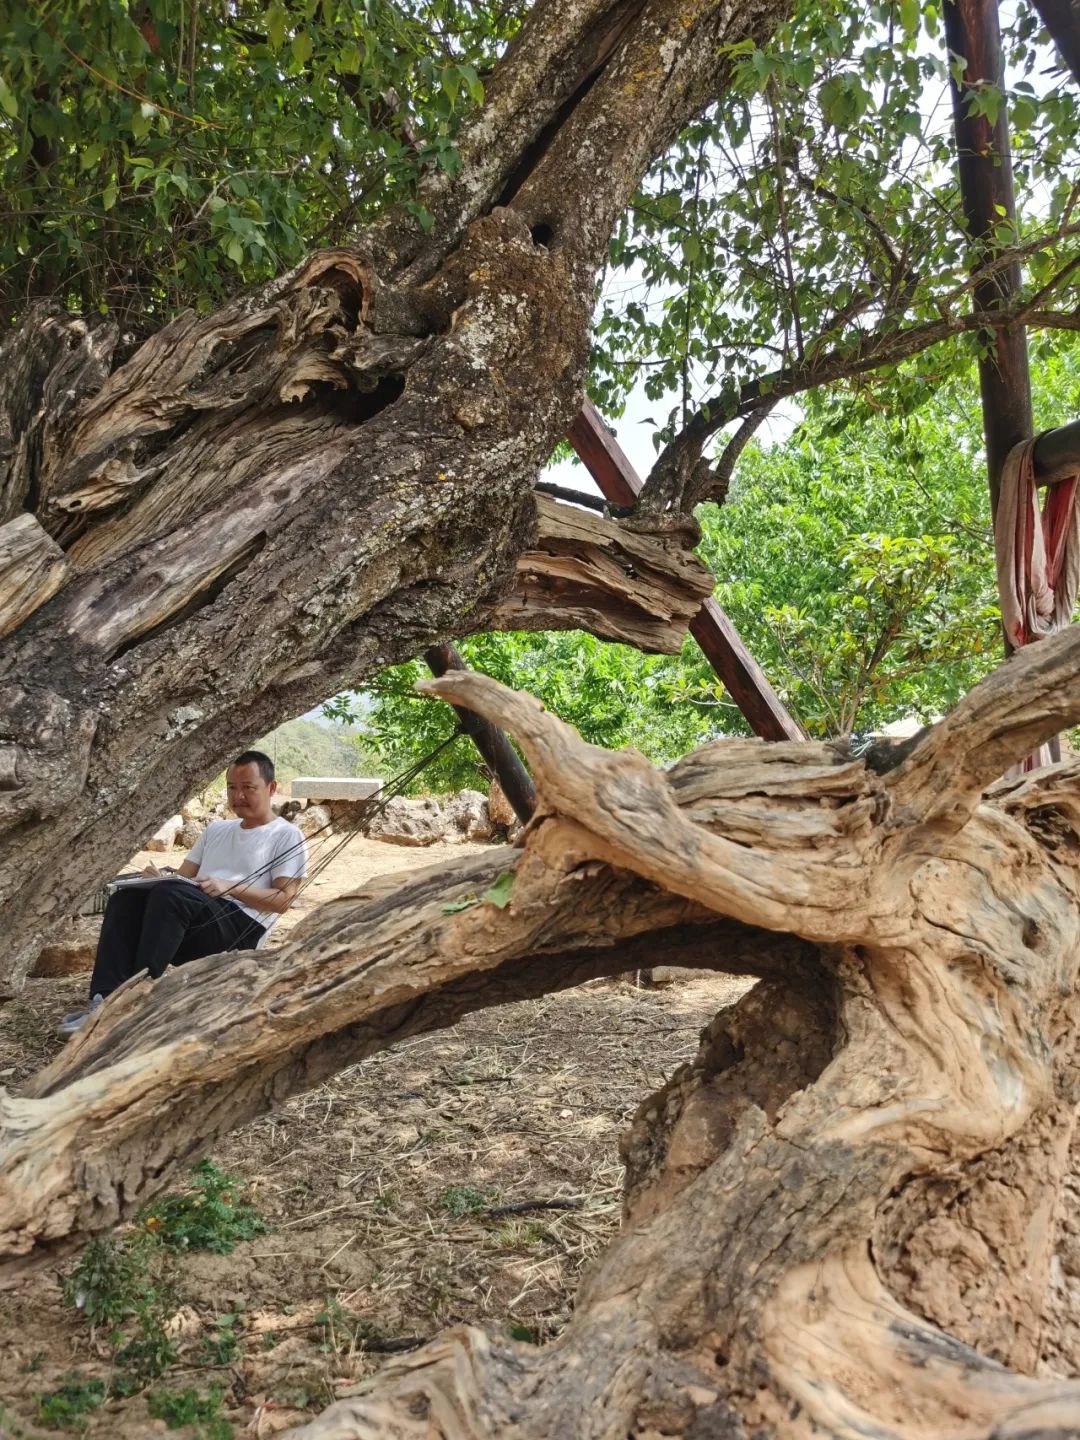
[498, 893]
[276, 22]
[691, 249]
[473, 83]
[465, 903]
[302, 47]
[7, 99]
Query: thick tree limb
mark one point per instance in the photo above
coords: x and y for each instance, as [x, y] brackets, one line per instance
[266, 505]
[944, 770]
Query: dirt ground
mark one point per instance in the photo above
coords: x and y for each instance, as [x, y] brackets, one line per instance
[383, 1192]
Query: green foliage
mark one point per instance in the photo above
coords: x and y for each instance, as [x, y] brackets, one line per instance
[612, 694]
[66, 1407]
[158, 156]
[187, 1407]
[817, 203]
[220, 1347]
[122, 1287]
[125, 1287]
[212, 1218]
[463, 1200]
[856, 560]
[857, 565]
[499, 891]
[527, 1334]
[108, 1280]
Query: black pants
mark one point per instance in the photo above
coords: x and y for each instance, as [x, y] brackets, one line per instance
[149, 927]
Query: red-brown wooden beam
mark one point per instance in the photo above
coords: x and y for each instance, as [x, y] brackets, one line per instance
[742, 676]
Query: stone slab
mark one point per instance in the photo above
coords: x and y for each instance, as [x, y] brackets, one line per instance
[332, 787]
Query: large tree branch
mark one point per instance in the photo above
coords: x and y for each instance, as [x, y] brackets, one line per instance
[943, 772]
[266, 505]
[618, 796]
[211, 1045]
[777, 1186]
[679, 479]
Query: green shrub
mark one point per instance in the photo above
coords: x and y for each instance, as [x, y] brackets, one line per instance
[213, 1218]
[121, 1287]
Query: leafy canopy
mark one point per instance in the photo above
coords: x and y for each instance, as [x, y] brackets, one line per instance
[814, 214]
[158, 156]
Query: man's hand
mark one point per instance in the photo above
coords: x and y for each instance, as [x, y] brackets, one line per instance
[150, 872]
[212, 886]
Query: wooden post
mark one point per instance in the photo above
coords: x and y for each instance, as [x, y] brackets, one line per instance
[984, 163]
[492, 743]
[1062, 19]
[742, 676]
[986, 189]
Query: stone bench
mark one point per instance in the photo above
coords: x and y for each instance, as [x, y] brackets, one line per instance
[332, 787]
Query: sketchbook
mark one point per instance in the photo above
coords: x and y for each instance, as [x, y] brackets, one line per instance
[126, 882]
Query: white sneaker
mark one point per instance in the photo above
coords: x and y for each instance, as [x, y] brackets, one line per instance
[74, 1020]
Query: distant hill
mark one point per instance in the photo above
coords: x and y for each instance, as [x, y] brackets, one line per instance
[304, 747]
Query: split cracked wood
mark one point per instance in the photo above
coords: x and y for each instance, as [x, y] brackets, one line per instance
[785, 1266]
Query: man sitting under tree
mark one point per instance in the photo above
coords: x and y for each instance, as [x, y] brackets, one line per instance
[238, 877]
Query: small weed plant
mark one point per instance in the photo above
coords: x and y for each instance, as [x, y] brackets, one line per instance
[187, 1407]
[213, 1218]
[122, 1288]
[67, 1407]
[463, 1200]
[341, 1331]
[222, 1343]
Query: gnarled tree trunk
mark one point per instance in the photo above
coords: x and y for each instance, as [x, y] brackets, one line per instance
[838, 1219]
[262, 506]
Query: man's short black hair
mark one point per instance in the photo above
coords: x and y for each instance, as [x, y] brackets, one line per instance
[256, 757]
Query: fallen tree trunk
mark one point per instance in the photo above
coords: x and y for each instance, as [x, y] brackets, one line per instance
[838, 1220]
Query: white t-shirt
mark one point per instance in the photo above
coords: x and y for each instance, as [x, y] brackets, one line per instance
[259, 856]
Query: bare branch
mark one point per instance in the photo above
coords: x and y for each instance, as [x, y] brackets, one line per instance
[618, 797]
[945, 770]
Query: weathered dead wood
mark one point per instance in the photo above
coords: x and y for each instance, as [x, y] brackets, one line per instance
[32, 567]
[585, 572]
[803, 1199]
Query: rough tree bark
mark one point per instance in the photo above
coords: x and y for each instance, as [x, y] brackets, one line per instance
[259, 507]
[838, 1219]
